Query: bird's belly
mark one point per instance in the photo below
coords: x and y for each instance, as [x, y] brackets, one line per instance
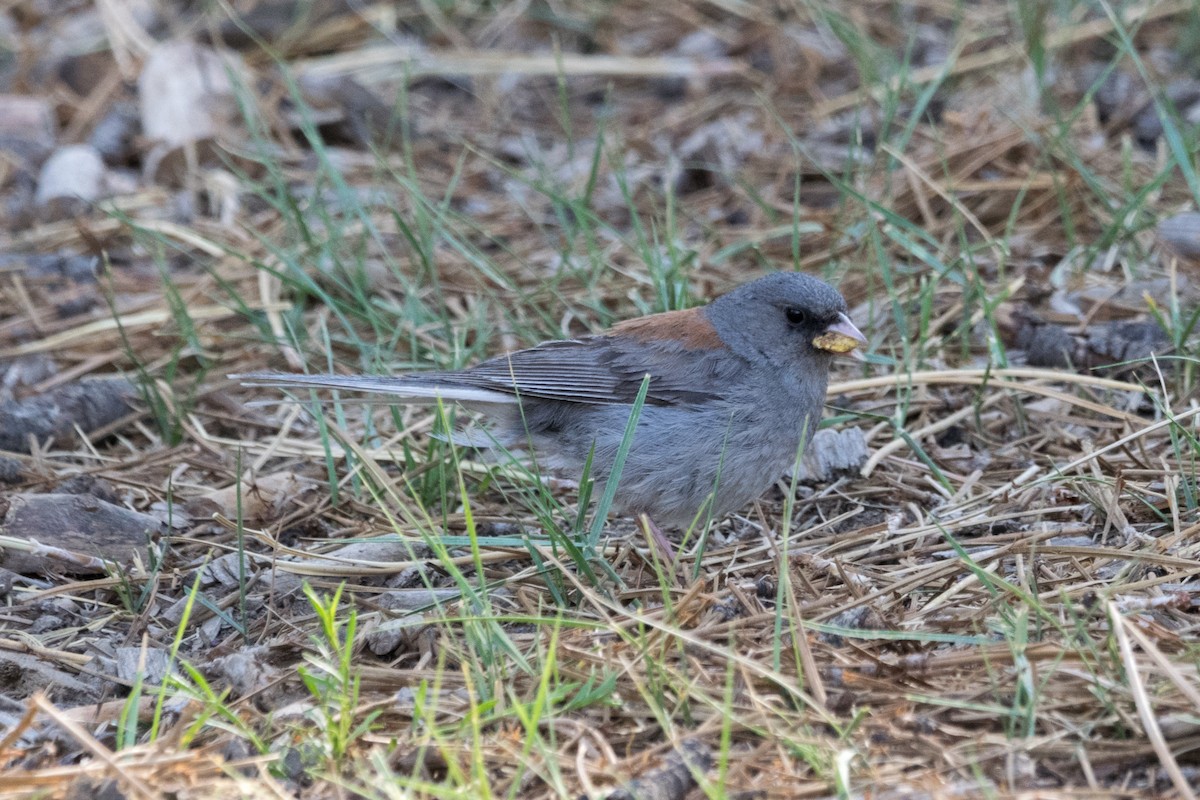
[682, 460]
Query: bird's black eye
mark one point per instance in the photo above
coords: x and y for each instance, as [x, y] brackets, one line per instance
[795, 316]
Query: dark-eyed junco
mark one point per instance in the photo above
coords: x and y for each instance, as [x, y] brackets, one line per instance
[736, 390]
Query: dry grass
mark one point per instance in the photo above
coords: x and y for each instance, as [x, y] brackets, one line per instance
[1002, 603]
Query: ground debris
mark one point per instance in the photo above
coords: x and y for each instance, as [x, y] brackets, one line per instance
[832, 453]
[188, 98]
[674, 778]
[71, 533]
[71, 180]
[396, 187]
[1110, 346]
[53, 416]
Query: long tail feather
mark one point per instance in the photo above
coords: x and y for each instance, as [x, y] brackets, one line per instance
[401, 389]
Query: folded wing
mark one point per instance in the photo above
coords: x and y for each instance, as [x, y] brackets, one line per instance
[596, 370]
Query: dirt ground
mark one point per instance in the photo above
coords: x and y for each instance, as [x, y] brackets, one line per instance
[982, 584]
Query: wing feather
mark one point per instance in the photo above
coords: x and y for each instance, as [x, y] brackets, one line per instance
[604, 370]
[594, 370]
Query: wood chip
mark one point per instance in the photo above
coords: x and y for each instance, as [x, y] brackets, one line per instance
[54, 416]
[77, 534]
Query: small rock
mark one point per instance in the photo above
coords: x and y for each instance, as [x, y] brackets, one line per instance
[153, 667]
[28, 117]
[356, 115]
[113, 136]
[831, 453]
[46, 622]
[186, 97]
[89, 484]
[1180, 235]
[185, 93]
[393, 633]
[247, 670]
[70, 181]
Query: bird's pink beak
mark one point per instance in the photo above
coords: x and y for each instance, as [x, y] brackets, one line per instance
[841, 337]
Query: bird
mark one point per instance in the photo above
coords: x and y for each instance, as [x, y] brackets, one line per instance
[736, 390]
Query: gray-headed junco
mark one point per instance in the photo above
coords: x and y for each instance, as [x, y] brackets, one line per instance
[736, 390]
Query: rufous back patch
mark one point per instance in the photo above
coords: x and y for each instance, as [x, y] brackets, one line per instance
[688, 327]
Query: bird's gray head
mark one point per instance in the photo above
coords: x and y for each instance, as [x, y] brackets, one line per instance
[783, 319]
